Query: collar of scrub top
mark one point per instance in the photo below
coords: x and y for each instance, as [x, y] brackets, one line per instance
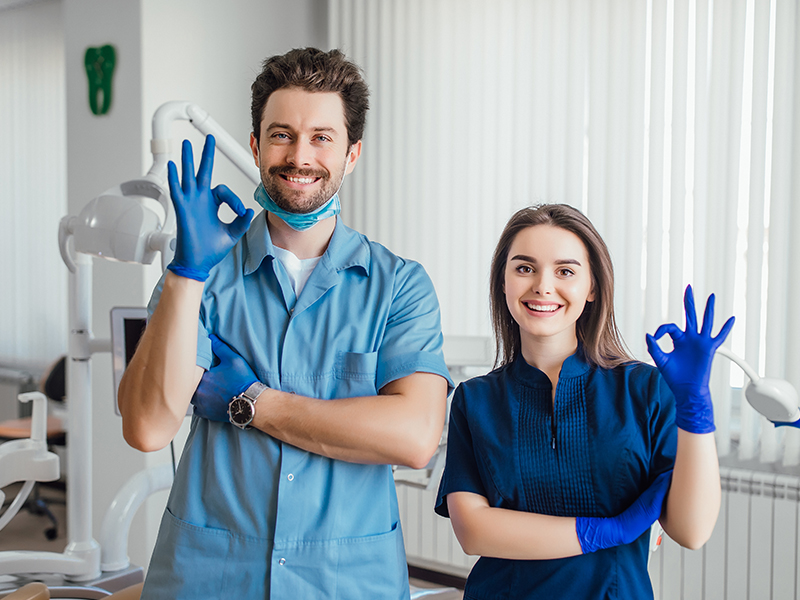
[574, 366]
[346, 248]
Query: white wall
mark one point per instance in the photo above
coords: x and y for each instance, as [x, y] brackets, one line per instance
[204, 51]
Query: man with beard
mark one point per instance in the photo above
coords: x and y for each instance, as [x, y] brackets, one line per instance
[316, 365]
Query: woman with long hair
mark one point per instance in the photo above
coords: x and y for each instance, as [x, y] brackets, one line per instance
[560, 459]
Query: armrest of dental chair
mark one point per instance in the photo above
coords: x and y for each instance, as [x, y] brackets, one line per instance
[32, 591]
[39, 591]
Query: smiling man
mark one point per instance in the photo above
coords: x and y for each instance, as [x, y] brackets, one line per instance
[317, 363]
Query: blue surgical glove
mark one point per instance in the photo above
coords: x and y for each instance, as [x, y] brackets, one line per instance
[228, 378]
[687, 368]
[202, 240]
[599, 533]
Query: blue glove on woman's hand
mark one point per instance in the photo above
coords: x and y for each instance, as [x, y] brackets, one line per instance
[687, 368]
[228, 378]
[202, 240]
[599, 533]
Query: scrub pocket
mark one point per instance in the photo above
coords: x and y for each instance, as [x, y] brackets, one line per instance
[204, 562]
[355, 374]
[358, 568]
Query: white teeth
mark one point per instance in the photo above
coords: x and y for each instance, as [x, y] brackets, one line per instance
[300, 179]
[547, 308]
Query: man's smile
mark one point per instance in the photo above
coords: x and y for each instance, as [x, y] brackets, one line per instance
[300, 180]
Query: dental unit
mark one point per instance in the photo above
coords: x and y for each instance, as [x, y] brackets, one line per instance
[131, 222]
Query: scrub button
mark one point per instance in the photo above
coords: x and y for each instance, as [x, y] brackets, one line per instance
[290, 477]
[282, 562]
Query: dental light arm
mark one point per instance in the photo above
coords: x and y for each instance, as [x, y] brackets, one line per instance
[161, 144]
[776, 399]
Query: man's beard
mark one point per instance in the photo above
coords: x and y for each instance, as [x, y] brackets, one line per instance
[294, 201]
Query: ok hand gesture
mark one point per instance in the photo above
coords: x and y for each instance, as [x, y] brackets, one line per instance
[203, 239]
[687, 368]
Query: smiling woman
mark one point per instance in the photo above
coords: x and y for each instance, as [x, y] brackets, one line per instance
[547, 285]
[560, 460]
[670, 124]
[557, 251]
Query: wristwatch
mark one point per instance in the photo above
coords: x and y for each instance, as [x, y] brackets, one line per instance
[242, 409]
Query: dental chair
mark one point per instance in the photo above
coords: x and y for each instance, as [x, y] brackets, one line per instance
[53, 386]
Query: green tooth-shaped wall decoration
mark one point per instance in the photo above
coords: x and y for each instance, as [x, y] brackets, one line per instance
[100, 63]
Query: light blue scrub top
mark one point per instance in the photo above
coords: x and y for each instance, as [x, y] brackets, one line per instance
[252, 517]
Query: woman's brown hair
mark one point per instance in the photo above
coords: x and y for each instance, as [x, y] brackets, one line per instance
[596, 328]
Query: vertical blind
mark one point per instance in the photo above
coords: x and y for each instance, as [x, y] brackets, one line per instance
[671, 123]
[33, 301]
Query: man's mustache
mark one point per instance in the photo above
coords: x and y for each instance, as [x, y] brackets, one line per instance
[293, 172]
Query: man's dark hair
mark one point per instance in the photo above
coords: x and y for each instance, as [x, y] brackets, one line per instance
[313, 70]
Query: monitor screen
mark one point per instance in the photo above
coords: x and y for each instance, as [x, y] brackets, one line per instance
[127, 326]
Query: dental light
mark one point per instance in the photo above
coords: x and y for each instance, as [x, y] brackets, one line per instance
[776, 399]
[134, 221]
[131, 222]
[127, 223]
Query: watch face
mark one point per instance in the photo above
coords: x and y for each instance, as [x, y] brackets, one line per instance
[241, 411]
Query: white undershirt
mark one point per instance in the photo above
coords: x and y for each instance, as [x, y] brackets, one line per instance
[298, 270]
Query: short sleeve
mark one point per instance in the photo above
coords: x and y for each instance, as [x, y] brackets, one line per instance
[663, 431]
[204, 354]
[412, 341]
[461, 468]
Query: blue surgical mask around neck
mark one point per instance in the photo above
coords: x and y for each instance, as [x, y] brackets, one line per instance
[298, 221]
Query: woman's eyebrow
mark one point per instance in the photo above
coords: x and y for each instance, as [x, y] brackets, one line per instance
[560, 261]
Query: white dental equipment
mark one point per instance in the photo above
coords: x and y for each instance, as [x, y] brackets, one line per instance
[27, 459]
[131, 223]
[776, 399]
[125, 223]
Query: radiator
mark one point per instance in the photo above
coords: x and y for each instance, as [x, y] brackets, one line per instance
[752, 555]
[753, 552]
[430, 541]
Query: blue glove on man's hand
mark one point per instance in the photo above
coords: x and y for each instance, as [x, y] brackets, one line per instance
[599, 533]
[228, 378]
[688, 367]
[202, 239]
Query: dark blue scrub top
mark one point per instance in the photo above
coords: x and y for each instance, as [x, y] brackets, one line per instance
[610, 434]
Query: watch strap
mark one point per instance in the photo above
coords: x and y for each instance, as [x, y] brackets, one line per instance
[254, 391]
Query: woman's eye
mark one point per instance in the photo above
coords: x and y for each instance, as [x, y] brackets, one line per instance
[524, 269]
[565, 272]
